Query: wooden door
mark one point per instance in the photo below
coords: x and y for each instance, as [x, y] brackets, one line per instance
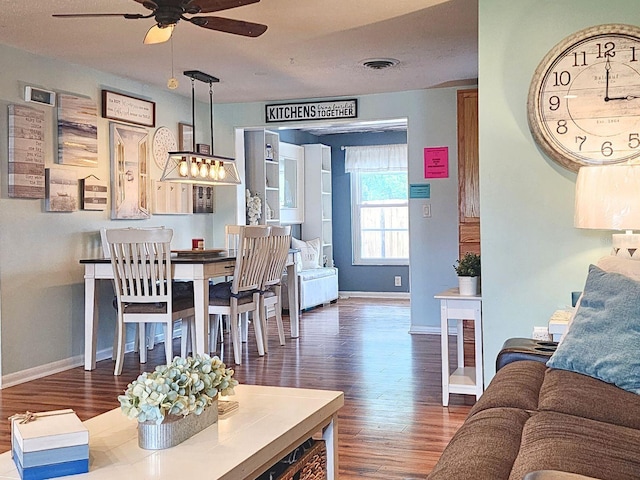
[468, 193]
[468, 172]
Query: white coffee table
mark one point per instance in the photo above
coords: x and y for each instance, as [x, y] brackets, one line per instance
[270, 422]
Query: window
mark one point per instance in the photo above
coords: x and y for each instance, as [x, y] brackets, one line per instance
[380, 210]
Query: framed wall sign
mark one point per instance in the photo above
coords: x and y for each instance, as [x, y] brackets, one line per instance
[124, 108]
[93, 193]
[26, 152]
[322, 110]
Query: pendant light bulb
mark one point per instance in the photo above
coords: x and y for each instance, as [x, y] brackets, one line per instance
[204, 170]
[194, 168]
[183, 168]
[222, 173]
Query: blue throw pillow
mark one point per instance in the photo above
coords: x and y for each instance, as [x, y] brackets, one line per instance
[604, 339]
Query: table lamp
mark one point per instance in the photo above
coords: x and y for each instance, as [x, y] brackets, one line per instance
[608, 198]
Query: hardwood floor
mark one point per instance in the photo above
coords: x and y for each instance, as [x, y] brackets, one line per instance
[393, 425]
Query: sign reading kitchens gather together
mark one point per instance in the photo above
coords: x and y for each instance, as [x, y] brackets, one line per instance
[325, 110]
[117, 106]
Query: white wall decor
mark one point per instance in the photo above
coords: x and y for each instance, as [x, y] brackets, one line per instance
[129, 172]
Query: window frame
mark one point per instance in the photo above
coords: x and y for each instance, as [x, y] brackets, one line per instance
[356, 206]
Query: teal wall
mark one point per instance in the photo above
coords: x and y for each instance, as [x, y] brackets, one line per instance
[532, 256]
[41, 280]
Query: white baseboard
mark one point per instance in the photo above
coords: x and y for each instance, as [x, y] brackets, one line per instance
[40, 371]
[425, 330]
[396, 295]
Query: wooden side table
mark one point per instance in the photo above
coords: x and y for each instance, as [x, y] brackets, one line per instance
[464, 380]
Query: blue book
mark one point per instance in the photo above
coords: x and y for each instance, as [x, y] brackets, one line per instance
[51, 456]
[52, 471]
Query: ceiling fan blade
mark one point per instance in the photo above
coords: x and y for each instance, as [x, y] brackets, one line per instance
[157, 34]
[228, 25]
[88, 15]
[210, 6]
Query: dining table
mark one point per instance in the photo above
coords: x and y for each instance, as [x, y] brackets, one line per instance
[199, 268]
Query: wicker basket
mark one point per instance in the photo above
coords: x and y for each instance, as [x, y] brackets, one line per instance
[311, 465]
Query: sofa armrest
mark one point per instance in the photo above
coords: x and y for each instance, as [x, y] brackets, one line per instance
[524, 349]
[555, 475]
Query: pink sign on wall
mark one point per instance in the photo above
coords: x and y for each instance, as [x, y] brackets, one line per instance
[436, 162]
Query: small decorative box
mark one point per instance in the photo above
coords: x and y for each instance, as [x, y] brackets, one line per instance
[49, 444]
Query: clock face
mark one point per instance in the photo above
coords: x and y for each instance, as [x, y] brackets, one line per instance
[164, 141]
[584, 99]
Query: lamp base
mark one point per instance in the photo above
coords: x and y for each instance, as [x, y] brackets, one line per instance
[626, 245]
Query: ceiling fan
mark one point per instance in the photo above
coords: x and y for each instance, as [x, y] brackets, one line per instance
[167, 13]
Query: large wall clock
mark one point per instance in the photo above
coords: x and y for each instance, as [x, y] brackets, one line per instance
[584, 100]
[164, 141]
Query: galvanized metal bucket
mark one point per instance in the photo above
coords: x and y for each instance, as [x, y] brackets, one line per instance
[175, 429]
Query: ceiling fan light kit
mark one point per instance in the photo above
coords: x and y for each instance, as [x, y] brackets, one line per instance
[167, 13]
[196, 167]
[158, 34]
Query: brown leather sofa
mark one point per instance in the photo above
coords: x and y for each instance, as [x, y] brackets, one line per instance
[538, 423]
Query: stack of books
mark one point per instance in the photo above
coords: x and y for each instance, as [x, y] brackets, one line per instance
[49, 444]
[226, 407]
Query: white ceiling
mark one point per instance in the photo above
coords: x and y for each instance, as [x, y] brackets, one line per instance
[312, 48]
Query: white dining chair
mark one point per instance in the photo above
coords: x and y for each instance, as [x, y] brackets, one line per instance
[271, 289]
[141, 261]
[242, 294]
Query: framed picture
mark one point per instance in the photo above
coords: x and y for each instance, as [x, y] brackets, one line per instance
[93, 193]
[203, 199]
[61, 190]
[203, 148]
[129, 172]
[185, 137]
[117, 106]
[77, 131]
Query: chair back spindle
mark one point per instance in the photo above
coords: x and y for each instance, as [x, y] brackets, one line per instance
[251, 259]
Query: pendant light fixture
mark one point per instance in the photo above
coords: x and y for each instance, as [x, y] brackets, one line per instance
[195, 167]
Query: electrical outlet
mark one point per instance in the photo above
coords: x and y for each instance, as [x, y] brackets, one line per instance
[398, 281]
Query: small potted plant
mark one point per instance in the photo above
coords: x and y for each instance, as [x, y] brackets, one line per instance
[186, 389]
[468, 270]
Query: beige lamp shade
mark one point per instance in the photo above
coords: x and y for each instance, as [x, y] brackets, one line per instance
[608, 198]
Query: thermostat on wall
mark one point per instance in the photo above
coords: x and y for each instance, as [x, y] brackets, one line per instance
[38, 95]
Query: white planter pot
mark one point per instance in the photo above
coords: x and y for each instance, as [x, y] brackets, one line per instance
[468, 285]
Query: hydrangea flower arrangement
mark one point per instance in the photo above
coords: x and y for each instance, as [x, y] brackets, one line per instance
[185, 386]
[254, 208]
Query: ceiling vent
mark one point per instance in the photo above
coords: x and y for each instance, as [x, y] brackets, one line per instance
[380, 63]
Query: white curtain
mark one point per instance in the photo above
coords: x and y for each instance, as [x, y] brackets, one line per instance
[376, 158]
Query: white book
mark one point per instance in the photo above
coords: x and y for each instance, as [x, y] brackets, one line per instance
[54, 429]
